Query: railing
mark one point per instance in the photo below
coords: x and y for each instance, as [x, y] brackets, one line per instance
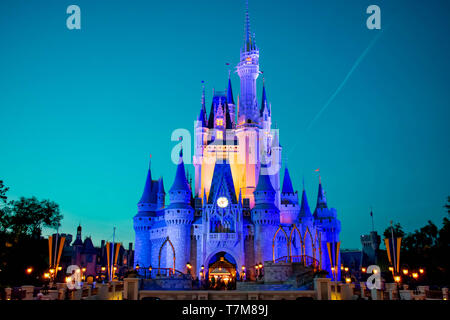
[164, 272]
[306, 260]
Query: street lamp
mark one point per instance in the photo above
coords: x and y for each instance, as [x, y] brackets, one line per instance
[415, 275]
[421, 270]
[29, 270]
[397, 279]
[363, 270]
[348, 280]
[405, 271]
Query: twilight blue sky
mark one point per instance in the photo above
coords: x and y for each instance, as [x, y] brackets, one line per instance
[81, 110]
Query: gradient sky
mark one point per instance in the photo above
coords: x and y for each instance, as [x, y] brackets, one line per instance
[81, 110]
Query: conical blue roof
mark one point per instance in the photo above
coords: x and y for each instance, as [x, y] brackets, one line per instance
[180, 183]
[264, 101]
[230, 98]
[304, 208]
[161, 186]
[264, 183]
[321, 199]
[287, 183]
[147, 194]
[202, 117]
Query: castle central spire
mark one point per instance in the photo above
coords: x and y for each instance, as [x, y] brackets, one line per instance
[248, 71]
[249, 42]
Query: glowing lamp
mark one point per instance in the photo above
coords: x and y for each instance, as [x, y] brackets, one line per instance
[115, 268]
[405, 271]
[256, 267]
[104, 268]
[83, 269]
[137, 267]
[346, 269]
[375, 271]
[59, 268]
[46, 275]
[348, 280]
[421, 270]
[397, 279]
[342, 267]
[203, 267]
[415, 275]
[29, 270]
[243, 268]
[150, 268]
[52, 270]
[391, 269]
[260, 265]
[363, 270]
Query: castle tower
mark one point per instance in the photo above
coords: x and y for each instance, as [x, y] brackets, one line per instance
[329, 227]
[201, 133]
[142, 222]
[265, 216]
[179, 216]
[77, 248]
[289, 208]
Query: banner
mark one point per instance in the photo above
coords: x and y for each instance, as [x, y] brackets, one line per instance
[333, 254]
[393, 252]
[112, 254]
[55, 248]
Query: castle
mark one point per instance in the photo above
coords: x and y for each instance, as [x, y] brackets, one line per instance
[237, 216]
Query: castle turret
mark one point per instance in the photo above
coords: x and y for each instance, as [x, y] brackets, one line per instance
[231, 105]
[179, 216]
[161, 195]
[266, 118]
[265, 216]
[289, 208]
[143, 221]
[329, 228]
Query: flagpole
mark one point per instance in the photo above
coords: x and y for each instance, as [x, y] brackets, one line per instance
[371, 215]
[112, 255]
[393, 248]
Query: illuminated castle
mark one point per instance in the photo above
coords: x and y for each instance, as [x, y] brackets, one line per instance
[236, 213]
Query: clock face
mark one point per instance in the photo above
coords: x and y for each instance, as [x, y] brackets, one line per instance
[222, 202]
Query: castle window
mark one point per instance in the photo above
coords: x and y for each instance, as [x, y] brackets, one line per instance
[219, 122]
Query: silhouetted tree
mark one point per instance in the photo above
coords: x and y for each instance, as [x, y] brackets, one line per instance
[21, 224]
[398, 231]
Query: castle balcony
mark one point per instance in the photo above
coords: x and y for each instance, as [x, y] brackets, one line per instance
[222, 236]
